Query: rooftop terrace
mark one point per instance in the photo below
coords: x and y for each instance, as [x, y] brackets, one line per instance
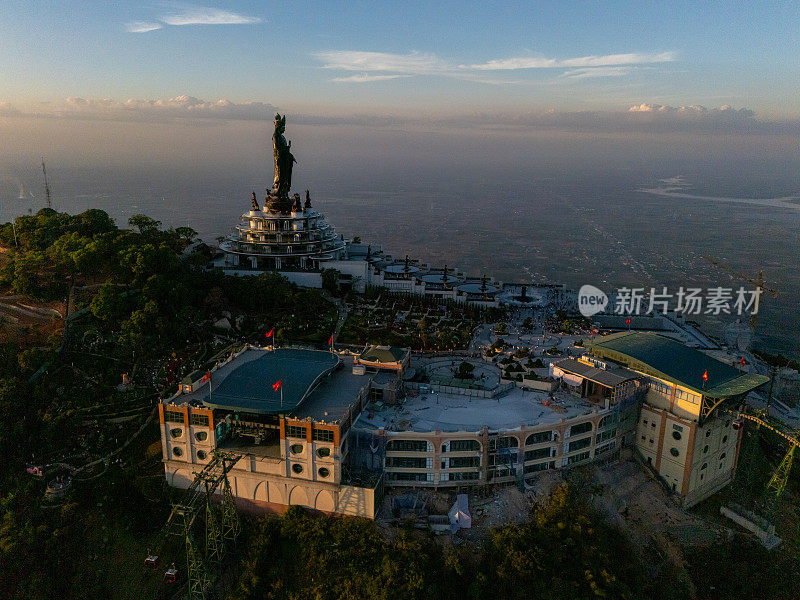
[454, 412]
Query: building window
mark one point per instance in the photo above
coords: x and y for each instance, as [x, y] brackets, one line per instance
[535, 454]
[406, 462]
[177, 451]
[708, 433]
[324, 472]
[705, 450]
[603, 449]
[458, 462]
[503, 442]
[464, 476]
[408, 476]
[297, 468]
[201, 455]
[704, 466]
[674, 452]
[296, 432]
[724, 438]
[722, 456]
[677, 427]
[577, 458]
[579, 429]
[407, 446]
[296, 448]
[538, 438]
[173, 416]
[644, 438]
[540, 467]
[322, 435]
[176, 433]
[464, 446]
[608, 420]
[579, 444]
[676, 435]
[199, 420]
[323, 452]
[605, 435]
[201, 436]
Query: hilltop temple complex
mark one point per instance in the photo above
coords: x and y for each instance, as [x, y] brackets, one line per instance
[332, 430]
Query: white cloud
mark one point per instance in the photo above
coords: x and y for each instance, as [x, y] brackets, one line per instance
[414, 63]
[207, 16]
[391, 66]
[193, 15]
[364, 78]
[509, 64]
[142, 26]
[587, 73]
[161, 108]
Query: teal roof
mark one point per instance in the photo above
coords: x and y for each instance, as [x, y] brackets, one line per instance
[383, 354]
[673, 361]
[247, 387]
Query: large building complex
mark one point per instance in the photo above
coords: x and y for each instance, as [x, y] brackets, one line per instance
[329, 431]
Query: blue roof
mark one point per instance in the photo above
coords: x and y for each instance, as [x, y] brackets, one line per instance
[673, 361]
[246, 383]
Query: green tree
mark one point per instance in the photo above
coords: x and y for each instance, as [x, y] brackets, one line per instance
[145, 224]
[465, 370]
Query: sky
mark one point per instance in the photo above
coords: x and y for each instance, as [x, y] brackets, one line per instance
[409, 59]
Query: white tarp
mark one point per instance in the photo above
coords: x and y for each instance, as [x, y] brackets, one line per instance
[572, 380]
[568, 378]
[459, 514]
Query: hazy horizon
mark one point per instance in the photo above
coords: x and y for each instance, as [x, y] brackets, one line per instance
[530, 204]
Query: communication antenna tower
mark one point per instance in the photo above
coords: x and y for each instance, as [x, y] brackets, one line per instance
[46, 186]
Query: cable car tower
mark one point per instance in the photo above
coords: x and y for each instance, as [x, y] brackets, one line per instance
[780, 477]
[221, 527]
[46, 185]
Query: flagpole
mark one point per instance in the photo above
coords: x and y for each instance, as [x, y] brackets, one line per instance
[281, 395]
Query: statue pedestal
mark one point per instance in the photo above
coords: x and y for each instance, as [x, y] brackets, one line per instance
[279, 205]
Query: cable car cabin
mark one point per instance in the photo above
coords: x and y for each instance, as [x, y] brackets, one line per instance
[737, 424]
[171, 575]
[151, 561]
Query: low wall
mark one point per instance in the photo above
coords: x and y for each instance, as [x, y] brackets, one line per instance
[449, 389]
[767, 539]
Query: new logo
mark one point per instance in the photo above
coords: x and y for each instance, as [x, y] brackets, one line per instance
[591, 300]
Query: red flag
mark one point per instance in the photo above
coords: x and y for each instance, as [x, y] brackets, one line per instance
[206, 377]
[330, 341]
[270, 332]
[741, 361]
[705, 376]
[277, 385]
[628, 321]
[593, 332]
